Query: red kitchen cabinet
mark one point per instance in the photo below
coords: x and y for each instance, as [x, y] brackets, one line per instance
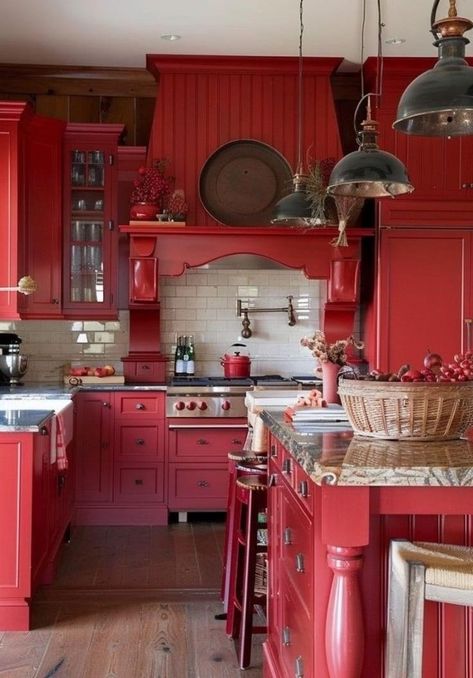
[120, 478]
[93, 451]
[30, 210]
[143, 281]
[440, 169]
[288, 650]
[424, 298]
[90, 220]
[198, 462]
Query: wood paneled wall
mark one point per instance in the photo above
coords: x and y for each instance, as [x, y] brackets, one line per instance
[86, 94]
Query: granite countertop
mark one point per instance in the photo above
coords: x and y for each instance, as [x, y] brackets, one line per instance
[338, 457]
[24, 421]
[61, 390]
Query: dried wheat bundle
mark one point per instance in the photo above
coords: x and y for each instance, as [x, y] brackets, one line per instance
[346, 207]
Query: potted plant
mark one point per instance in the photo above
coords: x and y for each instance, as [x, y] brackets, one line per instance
[150, 191]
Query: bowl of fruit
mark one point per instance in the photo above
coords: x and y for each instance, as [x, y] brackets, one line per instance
[434, 402]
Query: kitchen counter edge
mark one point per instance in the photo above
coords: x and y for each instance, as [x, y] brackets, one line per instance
[338, 457]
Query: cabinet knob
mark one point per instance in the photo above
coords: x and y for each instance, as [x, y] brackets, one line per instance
[202, 441]
[286, 467]
[139, 406]
[106, 404]
[44, 431]
[202, 483]
[300, 563]
[287, 538]
[299, 666]
[139, 441]
[273, 451]
[273, 480]
[138, 481]
[55, 301]
[237, 442]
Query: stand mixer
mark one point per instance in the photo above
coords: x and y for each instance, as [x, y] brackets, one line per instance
[13, 364]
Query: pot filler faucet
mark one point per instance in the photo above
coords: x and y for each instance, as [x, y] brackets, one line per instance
[246, 332]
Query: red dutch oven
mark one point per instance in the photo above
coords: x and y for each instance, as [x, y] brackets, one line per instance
[235, 364]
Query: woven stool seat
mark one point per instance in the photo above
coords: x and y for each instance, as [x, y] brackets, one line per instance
[253, 483]
[245, 456]
[421, 571]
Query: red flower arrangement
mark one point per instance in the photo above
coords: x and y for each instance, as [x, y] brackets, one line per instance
[152, 185]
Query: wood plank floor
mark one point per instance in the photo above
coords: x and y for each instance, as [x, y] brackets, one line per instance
[131, 602]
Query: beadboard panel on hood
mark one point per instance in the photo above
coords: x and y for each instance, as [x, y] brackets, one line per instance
[204, 102]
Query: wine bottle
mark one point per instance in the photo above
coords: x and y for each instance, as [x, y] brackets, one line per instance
[190, 350]
[179, 366]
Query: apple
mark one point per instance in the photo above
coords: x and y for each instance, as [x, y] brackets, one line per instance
[90, 372]
[433, 361]
[100, 372]
[109, 370]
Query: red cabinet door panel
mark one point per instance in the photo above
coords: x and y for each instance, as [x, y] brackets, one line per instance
[139, 483]
[143, 280]
[145, 441]
[209, 442]
[141, 406]
[194, 486]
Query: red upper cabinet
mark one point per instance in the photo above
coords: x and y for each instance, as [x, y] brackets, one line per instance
[90, 220]
[424, 299]
[30, 210]
[440, 169]
[42, 199]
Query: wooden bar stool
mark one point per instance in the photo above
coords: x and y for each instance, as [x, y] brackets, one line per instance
[239, 464]
[421, 571]
[250, 501]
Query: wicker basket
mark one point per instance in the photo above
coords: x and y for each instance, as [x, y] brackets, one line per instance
[408, 410]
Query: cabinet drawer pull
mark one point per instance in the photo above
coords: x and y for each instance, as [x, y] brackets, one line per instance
[55, 301]
[139, 406]
[202, 483]
[299, 668]
[236, 442]
[138, 481]
[272, 480]
[144, 367]
[304, 488]
[273, 451]
[287, 536]
[44, 431]
[202, 441]
[61, 482]
[300, 563]
[286, 636]
[286, 467]
[140, 441]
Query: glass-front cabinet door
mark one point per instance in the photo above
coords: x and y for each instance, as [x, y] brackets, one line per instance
[91, 238]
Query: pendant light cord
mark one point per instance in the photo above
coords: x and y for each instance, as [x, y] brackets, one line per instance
[299, 96]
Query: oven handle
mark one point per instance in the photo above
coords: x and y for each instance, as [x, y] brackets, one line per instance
[176, 426]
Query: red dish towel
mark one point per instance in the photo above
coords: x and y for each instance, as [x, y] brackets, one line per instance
[61, 436]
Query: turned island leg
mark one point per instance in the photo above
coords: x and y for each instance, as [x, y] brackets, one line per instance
[344, 630]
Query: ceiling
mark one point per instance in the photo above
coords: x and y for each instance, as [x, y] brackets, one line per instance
[121, 32]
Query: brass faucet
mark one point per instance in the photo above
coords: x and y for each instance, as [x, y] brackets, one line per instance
[246, 332]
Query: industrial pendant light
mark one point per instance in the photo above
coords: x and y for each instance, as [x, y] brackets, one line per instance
[439, 102]
[296, 207]
[369, 172]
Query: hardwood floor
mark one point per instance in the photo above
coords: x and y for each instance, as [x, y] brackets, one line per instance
[131, 602]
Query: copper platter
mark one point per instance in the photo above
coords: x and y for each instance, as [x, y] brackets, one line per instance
[241, 182]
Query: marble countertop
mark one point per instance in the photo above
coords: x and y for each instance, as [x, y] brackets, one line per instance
[338, 457]
[61, 390]
[24, 421]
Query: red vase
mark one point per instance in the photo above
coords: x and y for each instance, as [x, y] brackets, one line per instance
[143, 211]
[329, 382]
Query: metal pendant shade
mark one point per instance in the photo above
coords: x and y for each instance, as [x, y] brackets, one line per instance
[294, 206]
[369, 172]
[439, 102]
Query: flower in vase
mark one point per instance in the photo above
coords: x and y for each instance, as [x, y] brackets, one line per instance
[152, 185]
[330, 353]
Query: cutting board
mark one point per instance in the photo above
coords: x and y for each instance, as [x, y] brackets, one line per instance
[115, 379]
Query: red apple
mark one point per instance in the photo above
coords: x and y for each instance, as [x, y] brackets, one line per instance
[109, 370]
[90, 372]
[433, 361]
[100, 372]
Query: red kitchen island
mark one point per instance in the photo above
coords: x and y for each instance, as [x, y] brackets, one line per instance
[335, 502]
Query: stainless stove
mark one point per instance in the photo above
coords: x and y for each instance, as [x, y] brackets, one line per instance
[217, 396]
